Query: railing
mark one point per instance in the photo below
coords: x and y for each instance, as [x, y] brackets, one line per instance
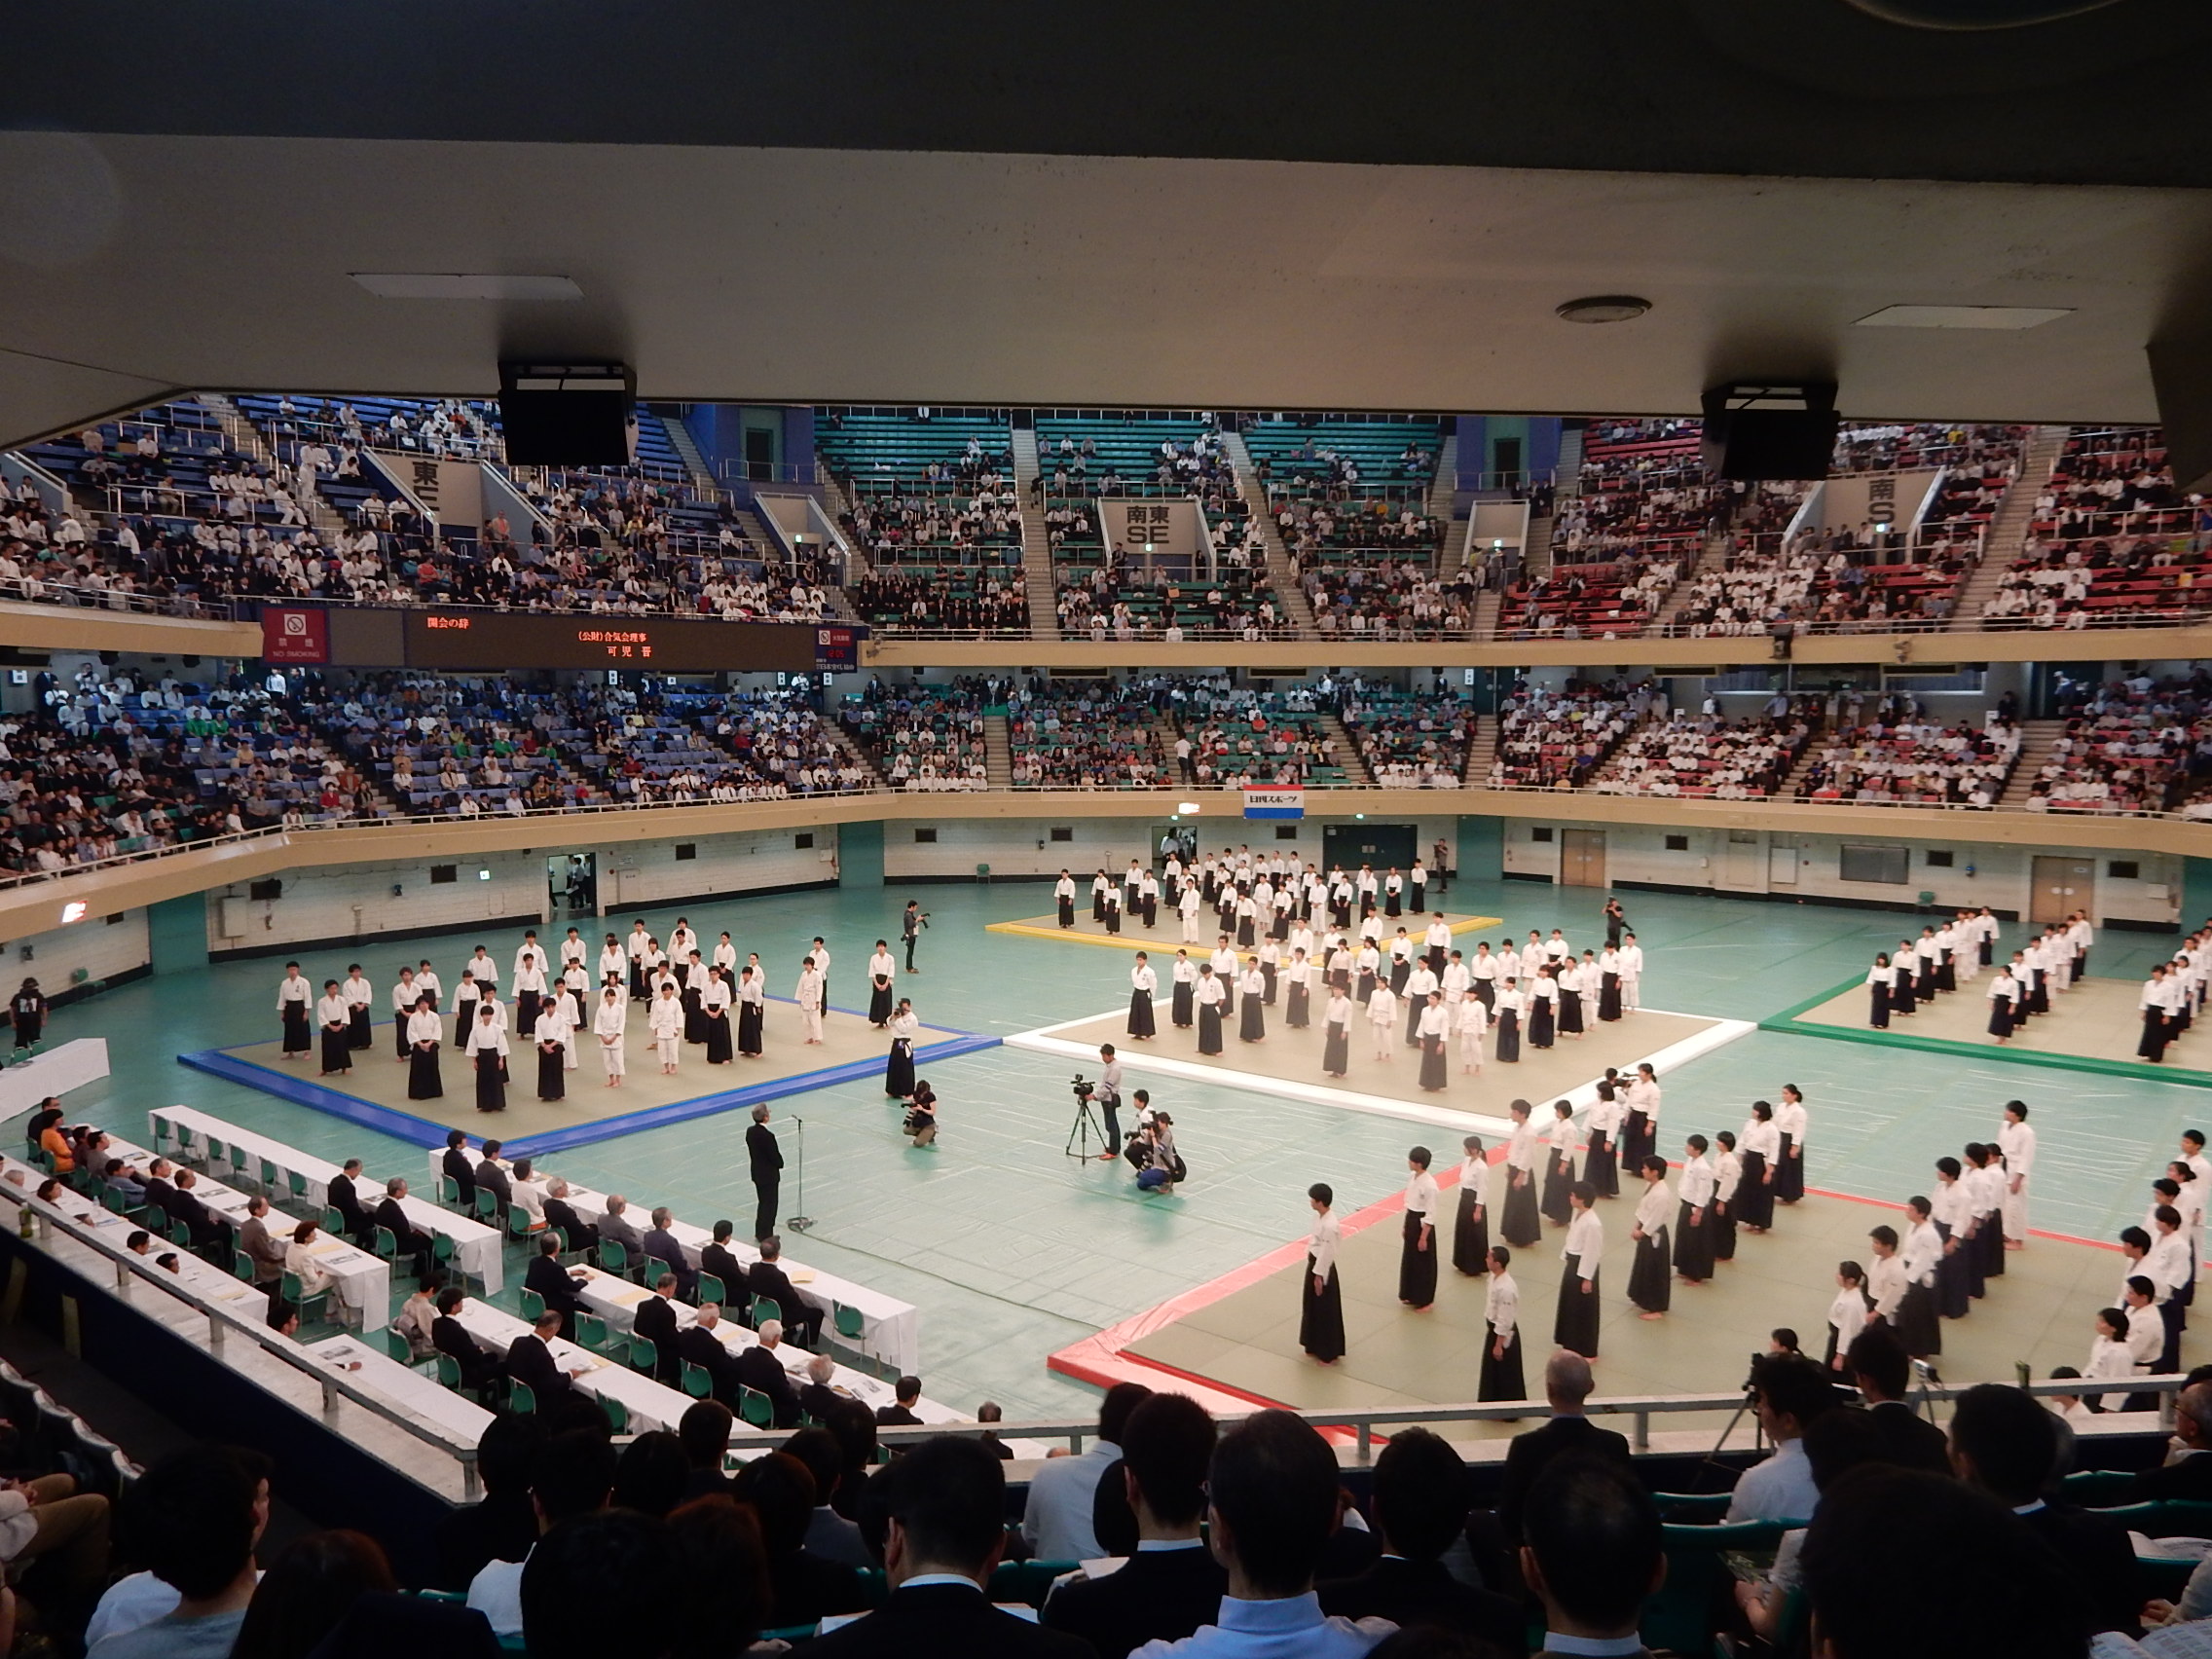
[225, 1325]
[70, 597]
[1364, 1425]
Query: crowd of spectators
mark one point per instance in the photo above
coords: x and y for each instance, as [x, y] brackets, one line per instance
[1238, 735]
[1559, 739]
[1918, 445]
[2130, 746]
[1619, 599]
[2113, 484]
[1823, 581]
[1910, 759]
[1090, 734]
[924, 738]
[1408, 740]
[959, 599]
[1406, 600]
[1705, 755]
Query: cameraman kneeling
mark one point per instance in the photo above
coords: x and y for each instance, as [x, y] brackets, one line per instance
[1162, 1166]
[921, 1114]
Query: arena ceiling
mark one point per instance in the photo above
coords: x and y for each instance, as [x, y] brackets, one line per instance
[1377, 206]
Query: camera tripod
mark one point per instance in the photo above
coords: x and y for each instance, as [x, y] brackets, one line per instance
[1083, 1130]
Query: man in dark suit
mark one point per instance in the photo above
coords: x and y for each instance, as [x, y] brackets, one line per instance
[478, 1368]
[698, 1344]
[1172, 1584]
[766, 1157]
[266, 1253]
[160, 1185]
[716, 1259]
[830, 1536]
[900, 1412]
[945, 1500]
[616, 1228]
[490, 1173]
[393, 1213]
[766, 1278]
[546, 1277]
[1421, 1506]
[461, 1168]
[704, 1431]
[529, 1359]
[656, 1323]
[2188, 1479]
[205, 1226]
[1594, 1553]
[2005, 1443]
[760, 1368]
[802, 1586]
[1877, 1362]
[1566, 1385]
[817, 1396]
[559, 1212]
[660, 1242]
[345, 1198]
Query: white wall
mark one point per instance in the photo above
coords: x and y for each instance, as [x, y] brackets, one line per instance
[646, 873]
[1009, 845]
[102, 948]
[1980, 873]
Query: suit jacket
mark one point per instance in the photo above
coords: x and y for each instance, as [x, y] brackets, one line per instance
[946, 1621]
[618, 1229]
[715, 1260]
[656, 1323]
[663, 1247]
[804, 1588]
[160, 1194]
[765, 1278]
[450, 1336]
[344, 1199]
[463, 1175]
[1157, 1595]
[699, 1347]
[2095, 1553]
[759, 1369]
[830, 1536]
[392, 1214]
[2189, 1480]
[1529, 1455]
[268, 1255]
[1423, 1593]
[490, 1175]
[1908, 1439]
[530, 1361]
[551, 1280]
[763, 1152]
[895, 1416]
[579, 1233]
[816, 1399]
[204, 1226]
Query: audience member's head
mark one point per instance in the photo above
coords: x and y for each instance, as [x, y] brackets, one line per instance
[1420, 1494]
[650, 1474]
[571, 1474]
[704, 1433]
[605, 1581]
[824, 1458]
[1790, 1391]
[194, 1517]
[1593, 1549]
[780, 1488]
[1166, 1446]
[722, 1568]
[2004, 1442]
[1568, 1381]
[307, 1590]
[1114, 1411]
[1272, 1492]
[943, 1507]
[2193, 1415]
[509, 1452]
[1878, 1363]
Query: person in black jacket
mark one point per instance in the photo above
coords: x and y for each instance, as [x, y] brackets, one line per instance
[503, 1524]
[715, 1258]
[760, 1368]
[1166, 1590]
[1421, 1506]
[766, 1278]
[530, 1361]
[479, 1370]
[1567, 1383]
[766, 1159]
[2188, 1478]
[945, 1503]
[551, 1280]
[406, 1239]
[344, 1198]
[656, 1322]
[803, 1587]
[1878, 1364]
[491, 1173]
[461, 1168]
[561, 1212]
[697, 1344]
[2003, 1443]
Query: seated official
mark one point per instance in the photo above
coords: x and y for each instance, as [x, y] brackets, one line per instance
[561, 1212]
[1171, 1584]
[459, 1168]
[662, 1243]
[655, 1321]
[479, 1368]
[616, 1228]
[2186, 1477]
[344, 1198]
[409, 1241]
[546, 1277]
[904, 1394]
[716, 1259]
[800, 1312]
[816, 1395]
[698, 1344]
[205, 1227]
[121, 1180]
[530, 1361]
[760, 1368]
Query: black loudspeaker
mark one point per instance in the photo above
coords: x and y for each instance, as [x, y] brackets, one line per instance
[1770, 429]
[565, 414]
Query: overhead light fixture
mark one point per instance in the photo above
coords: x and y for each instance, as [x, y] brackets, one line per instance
[465, 285]
[1604, 307]
[1963, 316]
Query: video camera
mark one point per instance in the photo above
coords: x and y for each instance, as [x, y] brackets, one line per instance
[1081, 1087]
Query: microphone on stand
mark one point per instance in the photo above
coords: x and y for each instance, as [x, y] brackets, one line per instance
[801, 1222]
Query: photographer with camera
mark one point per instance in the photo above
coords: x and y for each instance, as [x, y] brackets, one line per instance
[1152, 1149]
[921, 1114]
[910, 927]
[1109, 1100]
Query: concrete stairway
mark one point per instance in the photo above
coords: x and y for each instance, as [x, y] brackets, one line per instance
[1481, 750]
[1489, 604]
[1349, 756]
[2036, 740]
[695, 459]
[1289, 596]
[1710, 557]
[998, 752]
[1795, 776]
[1444, 488]
[1036, 543]
[326, 520]
[2008, 525]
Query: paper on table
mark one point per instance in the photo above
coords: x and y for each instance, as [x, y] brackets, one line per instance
[799, 1275]
[2190, 1640]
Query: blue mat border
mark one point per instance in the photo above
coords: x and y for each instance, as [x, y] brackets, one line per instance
[308, 1091]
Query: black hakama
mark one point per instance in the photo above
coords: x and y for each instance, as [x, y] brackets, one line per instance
[1141, 1021]
[1540, 1023]
[1435, 1066]
[1113, 920]
[1470, 1234]
[1416, 1268]
[1570, 1012]
[1268, 978]
[1363, 989]
[1947, 974]
[1651, 1276]
[1179, 1006]
[1392, 903]
[1245, 938]
[1919, 1330]
[490, 1081]
[1924, 979]
[1336, 1048]
[1519, 1226]
[879, 1000]
[2155, 1036]
[399, 1035]
[1486, 992]
[1990, 1241]
[1321, 1315]
[1150, 905]
[1416, 898]
[1637, 1142]
[1252, 1021]
[1693, 1245]
[1754, 1199]
[749, 1023]
[1559, 1178]
[899, 1069]
[1902, 999]
[337, 1049]
[360, 1034]
[1209, 1028]
[1416, 1007]
[1401, 970]
[695, 1013]
[718, 1040]
[298, 1033]
[1987, 952]
[1878, 1007]
[1601, 1169]
[2038, 1000]
[1788, 1174]
[1610, 997]
[1501, 1379]
[552, 1072]
[637, 978]
[1507, 1046]
[1576, 1324]
[1067, 911]
[1099, 903]
[423, 1080]
[1297, 1003]
[526, 1007]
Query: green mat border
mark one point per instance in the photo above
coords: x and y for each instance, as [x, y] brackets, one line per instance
[1788, 1022]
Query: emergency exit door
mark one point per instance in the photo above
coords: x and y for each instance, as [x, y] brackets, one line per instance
[2062, 886]
[1582, 857]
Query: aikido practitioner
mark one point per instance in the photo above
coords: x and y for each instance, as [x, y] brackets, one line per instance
[1500, 1377]
[752, 1010]
[336, 1019]
[360, 999]
[1577, 1323]
[549, 1036]
[1470, 1221]
[294, 997]
[1693, 1218]
[426, 1034]
[1320, 1299]
[1144, 986]
[487, 1046]
[1651, 1276]
[664, 1019]
[882, 971]
[713, 1008]
[1417, 1259]
[1521, 1224]
[611, 1024]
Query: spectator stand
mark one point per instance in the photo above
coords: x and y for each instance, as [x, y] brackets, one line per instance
[1559, 739]
[1409, 740]
[1704, 757]
[1239, 736]
[1912, 760]
[922, 738]
[1087, 735]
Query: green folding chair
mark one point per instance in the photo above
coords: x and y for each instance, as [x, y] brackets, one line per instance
[618, 1413]
[185, 1139]
[111, 1199]
[448, 1371]
[710, 1290]
[179, 1233]
[163, 1130]
[487, 1204]
[764, 1308]
[518, 1223]
[270, 1175]
[296, 1183]
[242, 1267]
[532, 1306]
[333, 1223]
[448, 1191]
[591, 1334]
[520, 1399]
[846, 1320]
[613, 1256]
[297, 1295]
[756, 1408]
[387, 1244]
[644, 1354]
[696, 1383]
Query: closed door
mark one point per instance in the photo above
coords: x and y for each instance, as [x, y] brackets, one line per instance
[1781, 861]
[1386, 846]
[2062, 886]
[1582, 857]
[1740, 859]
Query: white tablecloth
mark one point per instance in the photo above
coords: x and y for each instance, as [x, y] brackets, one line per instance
[891, 1330]
[651, 1405]
[418, 1396]
[61, 1068]
[244, 1151]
